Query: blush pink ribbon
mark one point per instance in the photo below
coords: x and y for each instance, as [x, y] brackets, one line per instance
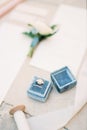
[9, 6]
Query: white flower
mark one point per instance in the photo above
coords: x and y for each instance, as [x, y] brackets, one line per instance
[39, 31]
[42, 28]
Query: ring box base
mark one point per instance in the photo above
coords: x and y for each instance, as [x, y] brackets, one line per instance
[39, 93]
[63, 79]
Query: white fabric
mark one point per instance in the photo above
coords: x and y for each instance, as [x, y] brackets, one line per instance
[13, 51]
[52, 120]
[21, 121]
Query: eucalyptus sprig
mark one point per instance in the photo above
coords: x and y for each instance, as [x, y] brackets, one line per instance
[38, 32]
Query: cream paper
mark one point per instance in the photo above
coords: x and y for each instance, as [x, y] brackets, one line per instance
[67, 47]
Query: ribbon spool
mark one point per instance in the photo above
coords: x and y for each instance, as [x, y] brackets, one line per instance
[19, 117]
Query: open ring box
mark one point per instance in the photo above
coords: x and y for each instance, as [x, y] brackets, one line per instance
[63, 79]
[39, 89]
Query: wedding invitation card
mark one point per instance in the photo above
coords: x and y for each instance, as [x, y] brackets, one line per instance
[68, 46]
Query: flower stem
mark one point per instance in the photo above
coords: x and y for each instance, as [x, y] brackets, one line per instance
[33, 45]
[31, 50]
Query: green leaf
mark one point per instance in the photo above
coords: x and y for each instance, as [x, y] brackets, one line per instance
[31, 51]
[29, 34]
[53, 26]
[30, 25]
[46, 36]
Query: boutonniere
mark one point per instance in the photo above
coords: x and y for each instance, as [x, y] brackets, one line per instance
[38, 32]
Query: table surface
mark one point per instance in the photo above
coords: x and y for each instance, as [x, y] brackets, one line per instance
[79, 122]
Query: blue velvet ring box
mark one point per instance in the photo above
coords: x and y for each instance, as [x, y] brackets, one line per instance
[39, 89]
[63, 79]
